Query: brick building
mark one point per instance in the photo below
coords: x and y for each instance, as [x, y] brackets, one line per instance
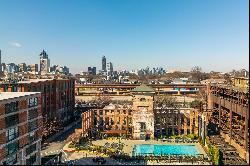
[58, 99]
[140, 120]
[20, 128]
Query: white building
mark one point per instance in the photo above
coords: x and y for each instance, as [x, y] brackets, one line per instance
[44, 63]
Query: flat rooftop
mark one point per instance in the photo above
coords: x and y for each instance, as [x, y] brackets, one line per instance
[12, 95]
[35, 80]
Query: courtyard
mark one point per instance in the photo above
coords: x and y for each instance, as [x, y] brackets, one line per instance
[85, 157]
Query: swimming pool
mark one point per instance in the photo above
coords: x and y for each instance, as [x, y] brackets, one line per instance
[157, 150]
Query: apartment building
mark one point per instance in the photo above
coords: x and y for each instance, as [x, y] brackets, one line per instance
[57, 95]
[20, 128]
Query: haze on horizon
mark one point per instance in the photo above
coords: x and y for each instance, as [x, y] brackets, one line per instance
[132, 34]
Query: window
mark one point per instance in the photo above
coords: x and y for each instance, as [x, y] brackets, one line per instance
[31, 160]
[12, 134]
[11, 120]
[32, 125]
[5, 88]
[14, 88]
[143, 127]
[32, 137]
[118, 122]
[33, 113]
[12, 148]
[31, 149]
[11, 160]
[142, 99]
[33, 102]
[11, 107]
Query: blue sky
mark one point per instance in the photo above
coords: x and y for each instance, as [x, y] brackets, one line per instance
[174, 34]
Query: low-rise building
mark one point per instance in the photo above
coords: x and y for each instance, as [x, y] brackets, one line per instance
[214, 81]
[242, 82]
[20, 128]
[142, 119]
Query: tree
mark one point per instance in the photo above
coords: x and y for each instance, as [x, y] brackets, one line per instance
[228, 78]
[166, 101]
[196, 73]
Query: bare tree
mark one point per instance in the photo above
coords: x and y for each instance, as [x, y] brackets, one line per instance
[166, 101]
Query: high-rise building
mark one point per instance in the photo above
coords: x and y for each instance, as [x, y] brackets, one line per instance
[109, 69]
[3, 67]
[92, 70]
[44, 63]
[22, 67]
[104, 64]
[33, 68]
[11, 68]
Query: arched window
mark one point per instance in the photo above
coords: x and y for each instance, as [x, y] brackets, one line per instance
[142, 99]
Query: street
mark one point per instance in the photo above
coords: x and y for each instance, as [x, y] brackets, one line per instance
[56, 146]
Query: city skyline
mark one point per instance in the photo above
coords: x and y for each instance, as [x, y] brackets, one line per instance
[174, 35]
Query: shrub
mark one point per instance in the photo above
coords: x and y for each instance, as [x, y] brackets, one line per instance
[71, 145]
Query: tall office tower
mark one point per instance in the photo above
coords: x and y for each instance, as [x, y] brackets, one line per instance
[94, 70]
[109, 69]
[44, 63]
[104, 64]
[0, 61]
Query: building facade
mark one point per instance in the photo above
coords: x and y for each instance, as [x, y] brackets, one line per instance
[229, 116]
[104, 64]
[33, 68]
[110, 69]
[20, 128]
[141, 120]
[22, 67]
[44, 63]
[242, 82]
[58, 99]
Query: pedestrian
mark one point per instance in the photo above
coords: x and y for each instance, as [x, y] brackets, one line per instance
[86, 154]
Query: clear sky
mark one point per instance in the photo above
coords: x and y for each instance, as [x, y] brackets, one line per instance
[174, 34]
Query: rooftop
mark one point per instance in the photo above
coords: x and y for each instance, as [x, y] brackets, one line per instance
[34, 80]
[12, 95]
[143, 88]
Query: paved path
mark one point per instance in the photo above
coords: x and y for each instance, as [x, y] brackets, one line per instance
[56, 146]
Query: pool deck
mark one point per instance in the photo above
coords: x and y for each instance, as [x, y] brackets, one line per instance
[129, 144]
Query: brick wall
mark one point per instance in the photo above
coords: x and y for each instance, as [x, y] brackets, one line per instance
[23, 130]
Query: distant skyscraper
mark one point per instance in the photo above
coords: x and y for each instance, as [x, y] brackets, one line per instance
[44, 63]
[92, 70]
[109, 69]
[33, 68]
[104, 63]
[22, 67]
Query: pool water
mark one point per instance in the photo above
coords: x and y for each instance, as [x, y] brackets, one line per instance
[156, 150]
